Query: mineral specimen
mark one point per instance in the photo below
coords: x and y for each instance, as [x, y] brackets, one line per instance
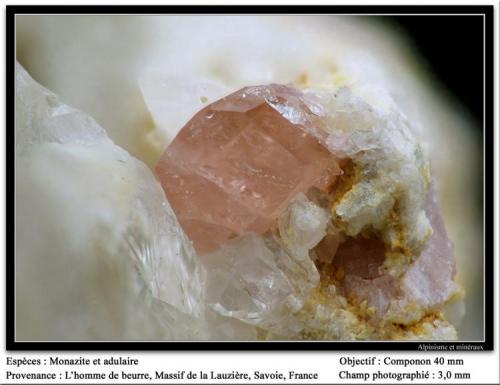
[315, 194]
[273, 184]
[364, 256]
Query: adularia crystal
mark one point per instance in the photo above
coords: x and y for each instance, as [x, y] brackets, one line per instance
[315, 215]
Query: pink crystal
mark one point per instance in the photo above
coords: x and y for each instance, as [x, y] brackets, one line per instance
[378, 292]
[428, 282]
[361, 256]
[362, 261]
[238, 162]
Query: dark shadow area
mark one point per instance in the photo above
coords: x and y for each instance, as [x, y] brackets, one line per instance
[452, 50]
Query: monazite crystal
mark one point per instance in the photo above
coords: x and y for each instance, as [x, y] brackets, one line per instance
[238, 162]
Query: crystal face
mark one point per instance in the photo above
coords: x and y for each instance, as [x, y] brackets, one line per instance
[237, 163]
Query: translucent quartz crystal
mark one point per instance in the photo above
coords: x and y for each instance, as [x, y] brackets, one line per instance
[252, 278]
[95, 218]
[264, 280]
[238, 162]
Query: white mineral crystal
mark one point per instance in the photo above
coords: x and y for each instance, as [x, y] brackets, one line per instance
[255, 280]
[264, 280]
[93, 219]
[392, 165]
[302, 226]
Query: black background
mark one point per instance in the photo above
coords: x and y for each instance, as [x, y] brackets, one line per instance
[452, 50]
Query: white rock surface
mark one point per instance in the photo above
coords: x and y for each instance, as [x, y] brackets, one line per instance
[173, 101]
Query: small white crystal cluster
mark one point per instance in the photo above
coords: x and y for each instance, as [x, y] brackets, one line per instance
[392, 170]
